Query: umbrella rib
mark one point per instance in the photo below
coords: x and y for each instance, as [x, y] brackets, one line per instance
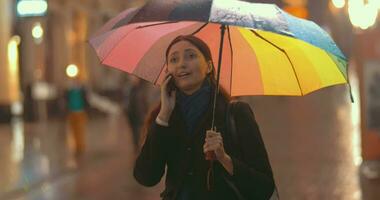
[282, 50]
[200, 28]
[232, 57]
[161, 23]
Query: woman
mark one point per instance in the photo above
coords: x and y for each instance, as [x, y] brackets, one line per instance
[176, 135]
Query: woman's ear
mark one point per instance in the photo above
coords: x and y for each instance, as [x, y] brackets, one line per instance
[210, 67]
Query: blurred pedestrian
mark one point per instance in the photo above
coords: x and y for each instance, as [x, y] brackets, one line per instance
[177, 136]
[137, 103]
[76, 102]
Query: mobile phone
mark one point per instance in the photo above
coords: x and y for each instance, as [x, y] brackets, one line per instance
[171, 85]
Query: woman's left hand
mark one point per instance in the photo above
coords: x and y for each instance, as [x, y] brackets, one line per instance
[214, 143]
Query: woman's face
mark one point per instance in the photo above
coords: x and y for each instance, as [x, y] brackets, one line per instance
[188, 66]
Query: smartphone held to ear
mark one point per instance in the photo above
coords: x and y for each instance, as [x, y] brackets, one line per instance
[171, 85]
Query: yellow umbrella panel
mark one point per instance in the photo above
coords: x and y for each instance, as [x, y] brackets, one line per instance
[280, 65]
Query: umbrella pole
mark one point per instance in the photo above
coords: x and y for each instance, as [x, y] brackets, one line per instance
[211, 155]
[222, 31]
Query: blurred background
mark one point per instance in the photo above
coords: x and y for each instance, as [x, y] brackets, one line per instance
[68, 125]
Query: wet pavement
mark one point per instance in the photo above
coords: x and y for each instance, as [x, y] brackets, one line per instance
[313, 143]
[43, 165]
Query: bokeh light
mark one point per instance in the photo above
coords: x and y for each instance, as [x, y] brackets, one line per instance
[37, 31]
[339, 3]
[72, 71]
[362, 15]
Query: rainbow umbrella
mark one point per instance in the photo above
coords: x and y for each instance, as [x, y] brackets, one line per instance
[261, 49]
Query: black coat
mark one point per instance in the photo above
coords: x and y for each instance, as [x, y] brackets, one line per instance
[183, 156]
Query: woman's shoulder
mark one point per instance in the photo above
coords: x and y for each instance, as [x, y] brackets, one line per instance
[241, 108]
[240, 104]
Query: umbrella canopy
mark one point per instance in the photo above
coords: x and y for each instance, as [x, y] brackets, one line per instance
[265, 52]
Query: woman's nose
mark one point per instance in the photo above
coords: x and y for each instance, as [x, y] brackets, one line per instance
[181, 64]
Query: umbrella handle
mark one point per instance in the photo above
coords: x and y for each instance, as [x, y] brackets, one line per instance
[210, 155]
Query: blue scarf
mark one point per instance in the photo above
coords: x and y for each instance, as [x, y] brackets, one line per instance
[195, 105]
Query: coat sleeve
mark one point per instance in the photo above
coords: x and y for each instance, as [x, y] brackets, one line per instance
[252, 172]
[150, 164]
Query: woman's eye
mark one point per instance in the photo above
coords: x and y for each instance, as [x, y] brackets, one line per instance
[192, 55]
[173, 60]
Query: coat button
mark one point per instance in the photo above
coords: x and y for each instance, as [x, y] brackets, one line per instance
[188, 148]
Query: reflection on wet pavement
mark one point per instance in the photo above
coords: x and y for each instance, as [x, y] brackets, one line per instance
[40, 164]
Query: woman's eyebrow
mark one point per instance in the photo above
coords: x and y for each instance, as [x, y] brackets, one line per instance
[187, 50]
[174, 53]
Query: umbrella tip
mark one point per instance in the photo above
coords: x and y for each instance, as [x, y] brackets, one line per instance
[351, 95]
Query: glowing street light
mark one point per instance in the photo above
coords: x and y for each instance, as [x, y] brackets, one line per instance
[339, 3]
[375, 3]
[37, 31]
[32, 8]
[13, 53]
[13, 70]
[362, 15]
[72, 70]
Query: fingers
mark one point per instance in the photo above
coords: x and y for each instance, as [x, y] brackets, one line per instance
[165, 83]
[214, 138]
[217, 146]
[211, 133]
[213, 142]
[212, 148]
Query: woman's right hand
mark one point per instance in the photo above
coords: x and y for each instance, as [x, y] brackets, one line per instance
[167, 101]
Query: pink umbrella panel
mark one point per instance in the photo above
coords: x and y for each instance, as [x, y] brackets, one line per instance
[142, 52]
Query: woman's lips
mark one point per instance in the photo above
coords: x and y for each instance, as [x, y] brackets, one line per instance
[183, 75]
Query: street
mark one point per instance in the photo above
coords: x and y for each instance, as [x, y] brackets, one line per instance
[312, 141]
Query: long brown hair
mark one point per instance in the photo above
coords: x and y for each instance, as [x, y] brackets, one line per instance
[205, 50]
